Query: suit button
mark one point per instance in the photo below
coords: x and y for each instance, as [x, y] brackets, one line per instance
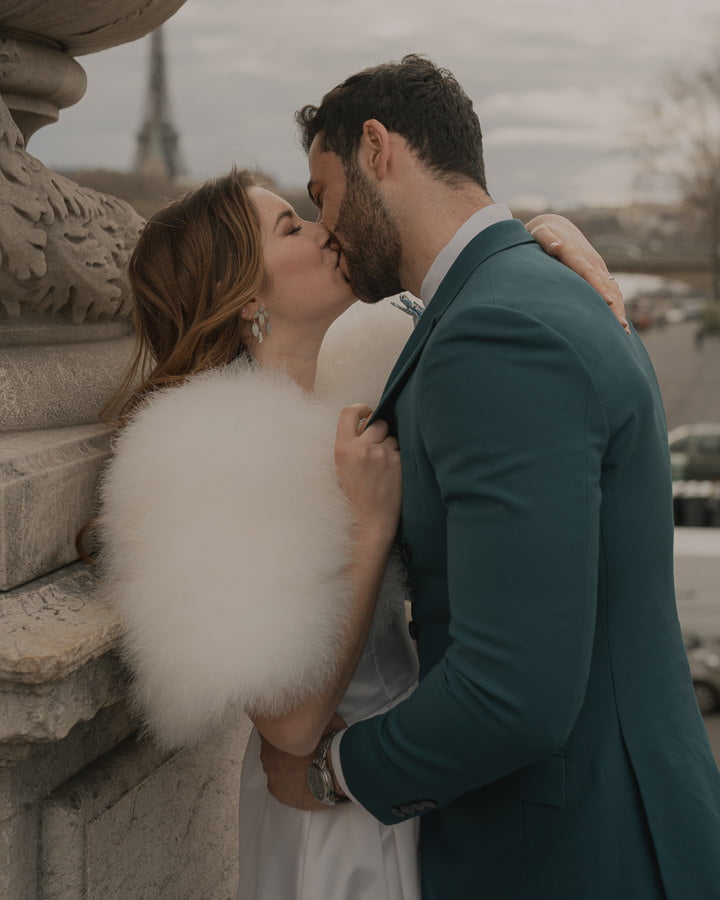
[412, 628]
[405, 551]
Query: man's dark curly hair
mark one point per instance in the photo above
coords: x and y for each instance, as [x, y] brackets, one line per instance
[415, 99]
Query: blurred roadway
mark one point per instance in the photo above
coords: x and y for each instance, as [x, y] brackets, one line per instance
[690, 384]
[689, 378]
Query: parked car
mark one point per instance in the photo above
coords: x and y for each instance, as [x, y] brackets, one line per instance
[675, 315]
[695, 452]
[697, 582]
[704, 662]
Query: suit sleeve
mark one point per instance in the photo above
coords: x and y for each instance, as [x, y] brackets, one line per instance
[514, 429]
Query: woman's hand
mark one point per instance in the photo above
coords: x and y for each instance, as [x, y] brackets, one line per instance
[367, 461]
[368, 469]
[559, 237]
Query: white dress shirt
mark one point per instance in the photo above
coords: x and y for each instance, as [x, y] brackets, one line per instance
[441, 265]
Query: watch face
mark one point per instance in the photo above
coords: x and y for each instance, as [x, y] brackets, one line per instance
[317, 783]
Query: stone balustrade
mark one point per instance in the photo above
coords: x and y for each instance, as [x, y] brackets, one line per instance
[87, 808]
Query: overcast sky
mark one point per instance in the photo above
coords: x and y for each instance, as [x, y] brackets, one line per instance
[554, 83]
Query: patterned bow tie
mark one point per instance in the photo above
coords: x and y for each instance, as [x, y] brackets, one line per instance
[410, 307]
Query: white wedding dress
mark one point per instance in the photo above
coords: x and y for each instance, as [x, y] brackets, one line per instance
[341, 853]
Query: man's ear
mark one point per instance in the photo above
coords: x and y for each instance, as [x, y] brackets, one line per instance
[375, 149]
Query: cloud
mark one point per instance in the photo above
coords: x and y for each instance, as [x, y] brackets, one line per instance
[551, 80]
[535, 136]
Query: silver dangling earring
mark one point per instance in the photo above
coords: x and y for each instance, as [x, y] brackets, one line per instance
[261, 319]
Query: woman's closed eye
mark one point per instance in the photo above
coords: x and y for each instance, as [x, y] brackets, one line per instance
[295, 230]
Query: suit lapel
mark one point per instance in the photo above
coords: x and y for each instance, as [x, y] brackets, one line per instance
[490, 241]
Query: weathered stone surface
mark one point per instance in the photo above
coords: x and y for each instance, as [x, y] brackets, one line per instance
[56, 664]
[37, 81]
[62, 247]
[46, 766]
[32, 714]
[47, 492]
[177, 814]
[95, 808]
[82, 27]
[36, 329]
[84, 810]
[19, 836]
[24, 785]
[61, 716]
[51, 628]
[60, 384]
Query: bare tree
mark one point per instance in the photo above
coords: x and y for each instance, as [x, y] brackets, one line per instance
[683, 140]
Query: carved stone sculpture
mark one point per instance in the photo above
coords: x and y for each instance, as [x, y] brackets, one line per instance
[62, 247]
[86, 809]
[82, 27]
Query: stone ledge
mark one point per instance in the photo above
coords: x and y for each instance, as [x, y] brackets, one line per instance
[30, 716]
[32, 329]
[53, 626]
[59, 385]
[57, 661]
[47, 492]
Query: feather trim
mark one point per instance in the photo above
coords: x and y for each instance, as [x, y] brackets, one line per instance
[226, 541]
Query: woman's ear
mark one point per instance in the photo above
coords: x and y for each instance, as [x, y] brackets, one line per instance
[249, 309]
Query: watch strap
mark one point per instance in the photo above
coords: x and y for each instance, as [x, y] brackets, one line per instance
[320, 761]
[321, 753]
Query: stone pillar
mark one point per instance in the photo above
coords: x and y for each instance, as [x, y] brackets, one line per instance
[86, 808]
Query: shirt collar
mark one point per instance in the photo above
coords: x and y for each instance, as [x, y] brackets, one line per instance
[479, 221]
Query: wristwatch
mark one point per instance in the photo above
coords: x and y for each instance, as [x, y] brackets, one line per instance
[319, 776]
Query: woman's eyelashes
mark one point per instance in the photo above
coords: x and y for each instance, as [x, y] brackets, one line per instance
[295, 230]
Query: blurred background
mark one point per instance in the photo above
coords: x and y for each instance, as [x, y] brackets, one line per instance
[608, 113]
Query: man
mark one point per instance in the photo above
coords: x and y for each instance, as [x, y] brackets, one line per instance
[553, 746]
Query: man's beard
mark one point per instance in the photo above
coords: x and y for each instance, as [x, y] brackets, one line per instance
[369, 238]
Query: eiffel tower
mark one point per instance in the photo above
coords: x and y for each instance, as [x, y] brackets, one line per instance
[157, 141]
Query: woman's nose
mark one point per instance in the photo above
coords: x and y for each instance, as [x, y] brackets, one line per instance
[322, 235]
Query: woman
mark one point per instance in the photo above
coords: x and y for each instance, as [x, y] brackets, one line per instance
[249, 568]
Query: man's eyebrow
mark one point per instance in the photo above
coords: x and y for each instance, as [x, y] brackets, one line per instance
[285, 214]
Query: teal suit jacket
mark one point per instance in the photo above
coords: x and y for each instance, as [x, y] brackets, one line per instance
[553, 747]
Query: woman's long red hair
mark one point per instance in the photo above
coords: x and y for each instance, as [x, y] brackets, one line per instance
[197, 263]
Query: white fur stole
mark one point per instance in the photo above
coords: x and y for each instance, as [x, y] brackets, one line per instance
[226, 535]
